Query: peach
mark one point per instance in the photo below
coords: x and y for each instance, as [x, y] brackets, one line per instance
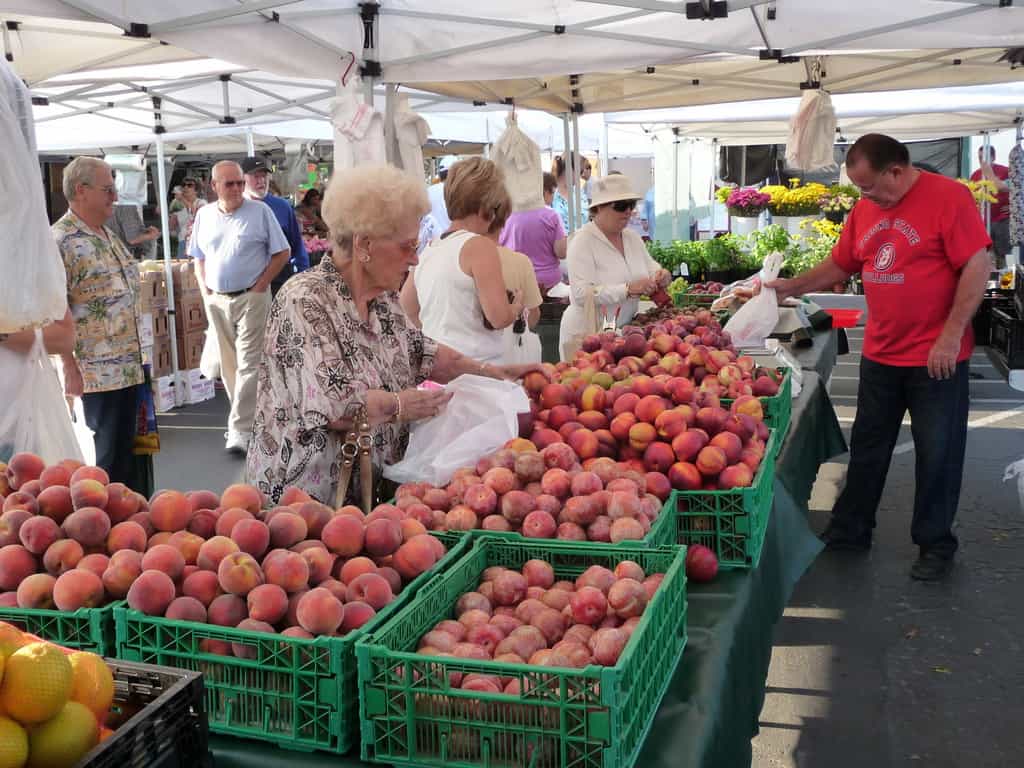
[441, 641]
[556, 482]
[38, 533]
[213, 551]
[584, 443]
[487, 636]
[84, 472]
[593, 420]
[737, 476]
[651, 584]
[600, 529]
[711, 461]
[289, 570]
[186, 609]
[626, 529]
[383, 537]
[556, 598]
[315, 515]
[538, 573]
[628, 569]
[658, 484]
[392, 577]
[712, 419]
[436, 498]
[509, 588]
[543, 437]
[126, 535]
[76, 589]
[239, 573]
[641, 435]
[203, 586]
[267, 602]
[730, 444]
[296, 632]
[505, 623]
[649, 407]
[96, 562]
[500, 480]
[22, 468]
[89, 526]
[372, 589]
[627, 597]
[21, 500]
[170, 511]
[539, 525]
[356, 615]
[56, 474]
[142, 518]
[496, 523]
[472, 617]
[417, 556]
[623, 504]
[581, 510]
[55, 503]
[529, 467]
[292, 495]
[335, 587]
[249, 649]
[559, 455]
[229, 518]
[658, 457]
[571, 653]
[550, 623]
[344, 535]
[571, 532]
[122, 502]
[163, 537]
[36, 591]
[526, 610]
[684, 476]
[460, 518]
[241, 495]
[751, 458]
[164, 557]
[523, 641]
[62, 556]
[472, 601]
[203, 523]
[453, 628]
[198, 500]
[749, 405]
[188, 544]
[578, 633]
[688, 444]
[10, 525]
[411, 527]
[586, 483]
[251, 536]
[216, 647]
[548, 503]
[320, 562]
[357, 566]
[121, 572]
[607, 645]
[226, 610]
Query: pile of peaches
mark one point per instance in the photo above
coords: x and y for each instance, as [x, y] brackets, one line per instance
[71, 539]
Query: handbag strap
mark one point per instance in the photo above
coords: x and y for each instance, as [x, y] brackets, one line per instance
[358, 445]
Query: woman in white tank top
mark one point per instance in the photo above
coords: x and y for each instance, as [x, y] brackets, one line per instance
[457, 289]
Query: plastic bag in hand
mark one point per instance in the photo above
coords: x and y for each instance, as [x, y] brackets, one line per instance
[34, 289]
[1017, 470]
[480, 418]
[755, 320]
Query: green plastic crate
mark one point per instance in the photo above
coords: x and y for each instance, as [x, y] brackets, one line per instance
[87, 629]
[300, 694]
[703, 300]
[778, 409]
[730, 523]
[595, 717]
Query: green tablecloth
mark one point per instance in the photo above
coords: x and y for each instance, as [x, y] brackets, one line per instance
[820, 357]
[710, 711]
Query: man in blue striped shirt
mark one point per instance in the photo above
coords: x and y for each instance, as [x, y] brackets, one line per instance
[257, 187]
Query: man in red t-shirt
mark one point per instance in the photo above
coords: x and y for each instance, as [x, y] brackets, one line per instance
[922, 251]
[999, 211]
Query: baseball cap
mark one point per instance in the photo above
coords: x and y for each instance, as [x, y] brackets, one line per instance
[254, 165]
[447, 162]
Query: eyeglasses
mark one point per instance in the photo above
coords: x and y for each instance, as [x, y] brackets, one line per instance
[188, 184]
[109, 189]
[229, 184]
[621, 206]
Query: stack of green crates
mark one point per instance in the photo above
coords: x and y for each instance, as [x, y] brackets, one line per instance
[778, 409]
[87, 629]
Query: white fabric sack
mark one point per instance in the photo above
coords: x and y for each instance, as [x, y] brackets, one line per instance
[519, 157]
[411, 133]
[522, 348]
[755, 320]
[37, 418]
[209, 361]
[812, 133]
[34, 289]
[480, 418]
[358, 128]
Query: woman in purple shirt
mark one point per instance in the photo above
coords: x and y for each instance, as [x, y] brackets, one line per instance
[540, 235]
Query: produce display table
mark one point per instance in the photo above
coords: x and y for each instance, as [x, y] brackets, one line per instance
[820, 357]
[710, 711]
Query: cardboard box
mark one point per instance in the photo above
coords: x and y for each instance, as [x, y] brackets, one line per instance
[189, 314]
[185, 281]
[152, 291]
[165, 393]
[146, 330]
[190, 349]
[160, 364]
[161, 330]
[198, 388]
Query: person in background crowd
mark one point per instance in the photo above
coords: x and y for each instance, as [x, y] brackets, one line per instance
[538, 233]
[999, 211]
[257, 186]
[239, 248]
[457, 294]
[435, 193]
[585, 171]
[103, 291]
[923, 253]
[560, 201]
[519, 276]
[649, 215]
[183, 212]
[609, 262]
[339, 349]
[308, 214]
[126, 222]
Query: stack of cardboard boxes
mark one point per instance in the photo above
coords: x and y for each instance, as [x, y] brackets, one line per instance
[189, 335]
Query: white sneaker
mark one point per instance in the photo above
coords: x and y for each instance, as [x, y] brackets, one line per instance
[236, 442]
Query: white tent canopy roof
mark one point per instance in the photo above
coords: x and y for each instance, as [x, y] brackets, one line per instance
[470, 49]
[915, 114]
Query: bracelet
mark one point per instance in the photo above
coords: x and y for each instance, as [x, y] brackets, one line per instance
[398, 408]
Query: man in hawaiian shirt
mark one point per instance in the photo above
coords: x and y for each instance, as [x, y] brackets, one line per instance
[103, 290]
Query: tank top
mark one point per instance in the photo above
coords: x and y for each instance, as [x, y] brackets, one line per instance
[450, 311]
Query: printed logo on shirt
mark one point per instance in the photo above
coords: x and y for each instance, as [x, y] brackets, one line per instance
[885, 258]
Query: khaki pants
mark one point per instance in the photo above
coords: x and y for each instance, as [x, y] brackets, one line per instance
[239, 322]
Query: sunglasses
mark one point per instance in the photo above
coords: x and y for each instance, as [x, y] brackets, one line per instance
[229, 184]
[621, 206]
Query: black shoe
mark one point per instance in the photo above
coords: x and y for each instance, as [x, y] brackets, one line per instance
[838, 540]
[931, 566]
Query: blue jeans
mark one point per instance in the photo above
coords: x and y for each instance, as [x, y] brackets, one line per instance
[938, 413]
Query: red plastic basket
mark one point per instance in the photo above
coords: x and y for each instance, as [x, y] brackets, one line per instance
[845, 318]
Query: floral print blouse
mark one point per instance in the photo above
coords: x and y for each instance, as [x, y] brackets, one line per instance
[103, 293]
[319, 360]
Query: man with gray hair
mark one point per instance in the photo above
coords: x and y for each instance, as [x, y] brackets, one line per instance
[239, 248]
[103, 290]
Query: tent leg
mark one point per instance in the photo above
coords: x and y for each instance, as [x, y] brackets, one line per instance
[675, 184]
[250, 144]
[390, 145]
[603, 160]
[714, 175]
[569, 165]
[576, 186]
[985, 153]
[165, 229]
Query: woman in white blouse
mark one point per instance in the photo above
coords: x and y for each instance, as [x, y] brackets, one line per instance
[608, 261]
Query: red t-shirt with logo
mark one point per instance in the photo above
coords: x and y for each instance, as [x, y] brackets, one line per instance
[910, 257]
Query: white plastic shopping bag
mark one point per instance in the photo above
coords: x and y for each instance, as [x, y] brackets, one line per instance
[37, 418]
[755, 320]
[479, 419]
[521, 348]
[1017, 470]
[33, 291]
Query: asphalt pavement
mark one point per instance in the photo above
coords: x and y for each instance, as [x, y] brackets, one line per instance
[868, 667]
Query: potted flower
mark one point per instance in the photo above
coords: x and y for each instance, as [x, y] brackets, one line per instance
[838, 201]
[745, 207]
[799, 202]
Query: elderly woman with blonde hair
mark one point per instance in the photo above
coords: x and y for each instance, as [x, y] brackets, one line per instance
[340, 356]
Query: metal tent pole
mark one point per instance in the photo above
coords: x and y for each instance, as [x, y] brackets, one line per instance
[165, 230]
[603, 160]
[988, 206]
[390, 142]
[569, 164]
[675, 184]
[250, 143]
[576, 186]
